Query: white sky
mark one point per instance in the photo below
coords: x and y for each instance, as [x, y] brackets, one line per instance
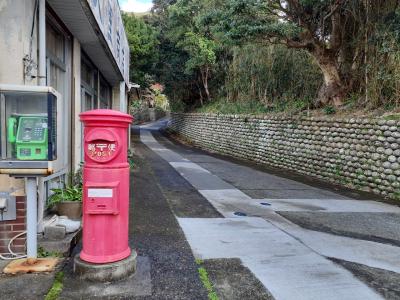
[135, 5]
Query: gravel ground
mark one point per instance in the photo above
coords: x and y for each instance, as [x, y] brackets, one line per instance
[378, 227]
[157, 235]
[158, 239]
[27, 286]
[384, 282]
[184, 200]
[232, 281]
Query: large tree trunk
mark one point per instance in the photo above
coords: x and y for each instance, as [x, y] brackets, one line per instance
[200, 94]
[204, 75]
[334, 89]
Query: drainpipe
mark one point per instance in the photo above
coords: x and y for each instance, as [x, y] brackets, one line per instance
[123, 106]
[31, 182]
[122, 97]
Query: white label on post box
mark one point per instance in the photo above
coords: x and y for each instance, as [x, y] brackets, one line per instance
[100, 193]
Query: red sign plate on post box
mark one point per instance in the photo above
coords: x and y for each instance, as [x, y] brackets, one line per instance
[101, 150]
[102, 145]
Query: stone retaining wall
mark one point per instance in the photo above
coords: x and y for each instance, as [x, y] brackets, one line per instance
[148, 115]
[359, 153]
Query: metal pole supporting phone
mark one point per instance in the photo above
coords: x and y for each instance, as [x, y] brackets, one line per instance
[31, 216]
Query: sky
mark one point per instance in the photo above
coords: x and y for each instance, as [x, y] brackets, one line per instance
[135, 5]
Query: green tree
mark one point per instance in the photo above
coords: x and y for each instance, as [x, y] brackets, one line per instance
[188, 34]
[274, 75]
[332, 32]
[327, 52]
[202, 58]
[143, 42]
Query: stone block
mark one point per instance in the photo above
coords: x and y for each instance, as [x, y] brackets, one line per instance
[54, 232]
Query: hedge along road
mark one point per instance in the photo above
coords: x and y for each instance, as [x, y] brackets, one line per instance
[290, 261]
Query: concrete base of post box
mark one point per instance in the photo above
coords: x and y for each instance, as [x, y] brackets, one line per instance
[105, 272]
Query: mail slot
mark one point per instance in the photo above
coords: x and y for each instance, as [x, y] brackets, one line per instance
[105, 186]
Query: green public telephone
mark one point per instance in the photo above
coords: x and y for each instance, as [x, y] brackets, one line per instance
[29, 135]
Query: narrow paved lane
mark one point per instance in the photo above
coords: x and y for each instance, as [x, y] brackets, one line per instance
[166, 268]
[290, 261]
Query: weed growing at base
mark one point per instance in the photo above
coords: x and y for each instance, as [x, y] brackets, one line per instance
[57, 287]
[206, 281]
[42, 253]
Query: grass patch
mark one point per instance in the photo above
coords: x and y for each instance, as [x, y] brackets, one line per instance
[42, 253]
[329, 110]
[240, 107]
[131, 159]
[395, 117]
[255, 107]
[396, 195]
[212, 295]
[57, 287]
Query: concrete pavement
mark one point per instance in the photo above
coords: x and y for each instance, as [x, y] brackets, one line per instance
[291, 262]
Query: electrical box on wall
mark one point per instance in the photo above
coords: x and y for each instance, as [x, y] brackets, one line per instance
[30, 130]
[8, 209]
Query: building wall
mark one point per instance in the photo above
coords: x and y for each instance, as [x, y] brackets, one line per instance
[16, 17]
[9, 229]
[108, 17]
[14, 46]
[115, 98]
[359, 153]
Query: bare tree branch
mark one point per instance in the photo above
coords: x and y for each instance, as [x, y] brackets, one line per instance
[298, 44]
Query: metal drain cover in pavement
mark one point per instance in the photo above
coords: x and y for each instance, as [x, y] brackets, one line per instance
[265, 203]
[240, 214]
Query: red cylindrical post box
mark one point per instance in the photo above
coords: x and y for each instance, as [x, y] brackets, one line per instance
[105, 186]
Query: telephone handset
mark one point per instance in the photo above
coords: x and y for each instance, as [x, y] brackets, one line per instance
[28, 136]
[12, 128]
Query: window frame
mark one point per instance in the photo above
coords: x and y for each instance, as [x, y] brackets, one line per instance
[94, 87]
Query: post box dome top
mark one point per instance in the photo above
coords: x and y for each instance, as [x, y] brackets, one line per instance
[106, 114]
